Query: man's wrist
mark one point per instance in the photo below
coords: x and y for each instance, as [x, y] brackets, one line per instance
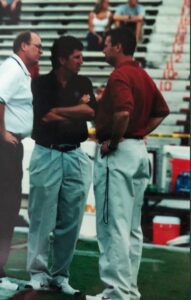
[112, 146]
[2, 135]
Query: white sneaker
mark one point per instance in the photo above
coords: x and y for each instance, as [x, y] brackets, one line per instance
[97, 297]
[5, 283]
[62, 283]
[38, 283]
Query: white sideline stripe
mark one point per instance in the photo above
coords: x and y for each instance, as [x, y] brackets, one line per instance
[19, 246]
[169, 248]
[86, 253]
[96, 254]
[145, 245]
[21, 229]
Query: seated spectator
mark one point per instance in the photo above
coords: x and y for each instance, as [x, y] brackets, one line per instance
[130, 15]
[10, 9]
[99, 22]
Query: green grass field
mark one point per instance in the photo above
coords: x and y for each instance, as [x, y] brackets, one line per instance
[164, 275]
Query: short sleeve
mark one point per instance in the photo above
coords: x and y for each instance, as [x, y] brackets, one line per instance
[9, 78]
[120, 11]
[141, 10]
[160, 107]
[121, 95]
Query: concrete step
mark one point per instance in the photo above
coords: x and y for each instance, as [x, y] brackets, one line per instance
[74, 8]
[73, 2]
[168, 129]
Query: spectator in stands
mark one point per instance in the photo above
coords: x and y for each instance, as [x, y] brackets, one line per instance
[16, 119]
[131, 108]
[99, 22]
[10, 9]
[130, 15]
[60, 172]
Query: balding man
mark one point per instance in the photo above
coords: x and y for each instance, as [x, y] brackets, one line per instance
[16, 117]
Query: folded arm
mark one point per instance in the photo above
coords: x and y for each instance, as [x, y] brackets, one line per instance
[128, 19]
[81, 111]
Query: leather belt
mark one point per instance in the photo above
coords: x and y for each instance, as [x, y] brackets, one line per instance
[125, 137]
[60, 147]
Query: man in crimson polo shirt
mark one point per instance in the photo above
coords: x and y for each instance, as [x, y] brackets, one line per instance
[131, 108]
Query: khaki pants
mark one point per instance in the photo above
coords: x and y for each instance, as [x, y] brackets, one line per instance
[59, 185]
[119, 216]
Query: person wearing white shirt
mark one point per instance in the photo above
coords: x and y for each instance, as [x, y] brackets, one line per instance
[16, 118]
[99, 21]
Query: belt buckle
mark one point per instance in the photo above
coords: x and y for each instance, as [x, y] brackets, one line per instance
[63, 147]
[66, 148]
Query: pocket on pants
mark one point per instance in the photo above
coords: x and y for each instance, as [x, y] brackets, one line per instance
[40, 160]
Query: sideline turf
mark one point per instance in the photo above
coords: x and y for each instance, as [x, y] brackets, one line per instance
[166, 278]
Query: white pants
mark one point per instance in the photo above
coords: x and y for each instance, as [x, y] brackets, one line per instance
[59, 185]
[119, 217]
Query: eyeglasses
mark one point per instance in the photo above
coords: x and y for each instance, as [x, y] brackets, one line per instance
[38, 46]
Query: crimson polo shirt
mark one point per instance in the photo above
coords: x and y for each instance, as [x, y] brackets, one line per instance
[131, 89]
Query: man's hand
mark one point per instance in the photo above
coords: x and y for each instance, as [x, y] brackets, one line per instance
[9, 138]
[107, 148]
[104, 149]
[100, 39]
[85, 99]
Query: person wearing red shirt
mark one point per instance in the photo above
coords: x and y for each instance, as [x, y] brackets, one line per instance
[131, 108]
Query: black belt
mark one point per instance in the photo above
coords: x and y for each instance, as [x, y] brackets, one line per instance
[61, 147]
[124, 137]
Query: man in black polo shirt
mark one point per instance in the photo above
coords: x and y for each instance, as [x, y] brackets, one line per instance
[60, 172]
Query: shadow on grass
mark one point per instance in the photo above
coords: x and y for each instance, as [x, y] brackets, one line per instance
[37, 295]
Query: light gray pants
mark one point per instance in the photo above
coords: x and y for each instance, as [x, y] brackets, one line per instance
[59, 185]
[119, 217]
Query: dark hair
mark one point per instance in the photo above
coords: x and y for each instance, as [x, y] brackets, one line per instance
[23, 37]
[125, 37]
[64, 47]
[98, 6]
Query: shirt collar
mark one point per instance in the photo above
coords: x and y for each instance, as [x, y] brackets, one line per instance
[54, 78]
[132, 63]
[21, 63]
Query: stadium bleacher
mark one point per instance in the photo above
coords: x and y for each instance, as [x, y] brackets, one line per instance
[163, 51]
[159, 50]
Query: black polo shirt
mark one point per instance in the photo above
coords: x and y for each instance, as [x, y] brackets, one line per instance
[47, 94]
